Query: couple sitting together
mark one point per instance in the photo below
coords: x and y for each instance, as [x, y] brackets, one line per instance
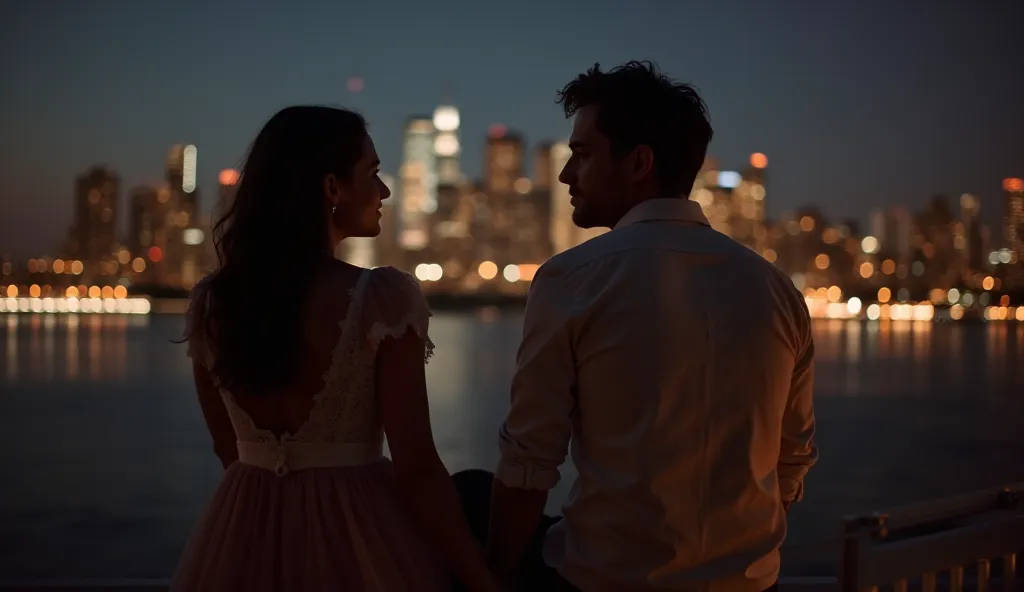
[673, 362]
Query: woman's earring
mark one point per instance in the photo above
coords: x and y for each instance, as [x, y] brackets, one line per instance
[334, 209]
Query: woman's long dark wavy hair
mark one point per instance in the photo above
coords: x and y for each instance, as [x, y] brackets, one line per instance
[272, 239]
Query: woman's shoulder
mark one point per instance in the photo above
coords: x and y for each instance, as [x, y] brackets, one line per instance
[389, 277]
[393, 304]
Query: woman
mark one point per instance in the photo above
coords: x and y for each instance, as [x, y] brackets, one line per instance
[302, 364]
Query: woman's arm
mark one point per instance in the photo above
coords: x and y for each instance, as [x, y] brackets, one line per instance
[216, 415]
[423, 480]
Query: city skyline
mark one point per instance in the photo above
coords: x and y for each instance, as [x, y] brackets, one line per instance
[210, 194]
[858, 107]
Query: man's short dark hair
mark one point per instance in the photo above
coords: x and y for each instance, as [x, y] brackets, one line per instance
[637, 104]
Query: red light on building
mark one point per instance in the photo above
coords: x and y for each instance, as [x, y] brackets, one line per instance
[497, 130]
[228, 177]
[758, 160]
[1013, 184]
[155, 254]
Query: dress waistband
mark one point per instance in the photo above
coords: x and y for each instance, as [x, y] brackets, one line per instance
[284, 457]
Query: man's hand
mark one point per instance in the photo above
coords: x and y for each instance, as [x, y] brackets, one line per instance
[515, 517]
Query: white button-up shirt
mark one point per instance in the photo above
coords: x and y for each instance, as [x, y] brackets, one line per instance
[679, 363]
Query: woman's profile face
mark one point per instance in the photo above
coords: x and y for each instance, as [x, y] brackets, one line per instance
[358, 199]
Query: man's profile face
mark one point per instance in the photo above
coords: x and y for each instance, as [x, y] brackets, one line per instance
[593, 176]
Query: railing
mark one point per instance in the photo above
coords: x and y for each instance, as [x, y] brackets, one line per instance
[968, 541]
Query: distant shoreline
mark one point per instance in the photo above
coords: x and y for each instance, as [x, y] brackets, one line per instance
[437, 302]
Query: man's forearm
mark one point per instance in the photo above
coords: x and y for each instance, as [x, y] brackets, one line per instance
[515, 517]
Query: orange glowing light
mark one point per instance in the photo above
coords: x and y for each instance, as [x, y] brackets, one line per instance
[155, 254]
[228, 177]
[1013, 184]
[758, 160]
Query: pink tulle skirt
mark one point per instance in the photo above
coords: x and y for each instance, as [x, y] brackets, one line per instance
[314, 529]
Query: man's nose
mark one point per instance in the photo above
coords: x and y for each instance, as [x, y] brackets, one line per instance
[563, 176]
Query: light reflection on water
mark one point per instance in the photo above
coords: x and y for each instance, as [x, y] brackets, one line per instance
[101, 431]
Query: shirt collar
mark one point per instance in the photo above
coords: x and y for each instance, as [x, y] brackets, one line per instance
[672, 208]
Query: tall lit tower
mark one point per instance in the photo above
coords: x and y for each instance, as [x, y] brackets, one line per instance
[748, 205]
[94, 232]
[543, 164]
[1013, 219]
[181, 176]
[968, 235]
[419, 184]
[503, 160]
[446, 145]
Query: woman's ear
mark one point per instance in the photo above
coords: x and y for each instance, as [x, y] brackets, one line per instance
[332, 189]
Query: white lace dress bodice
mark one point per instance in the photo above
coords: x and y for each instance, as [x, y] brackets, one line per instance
[344, 427]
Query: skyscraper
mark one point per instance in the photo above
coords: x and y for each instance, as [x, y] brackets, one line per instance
[969, 238]
[181, 176]
[418, 198]
[94, 233]
[141, 222]
[446, 145]
[712, 189]
[748, 204]
[184, 257]
[544, 177]
[1013, 219]
[503, 160]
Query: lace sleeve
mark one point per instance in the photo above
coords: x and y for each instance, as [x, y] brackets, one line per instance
[194, 330]
[394, 304]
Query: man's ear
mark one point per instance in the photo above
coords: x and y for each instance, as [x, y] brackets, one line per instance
[641, 162]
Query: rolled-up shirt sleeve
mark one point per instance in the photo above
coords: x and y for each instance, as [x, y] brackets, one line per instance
[798, 452]
[534, 439]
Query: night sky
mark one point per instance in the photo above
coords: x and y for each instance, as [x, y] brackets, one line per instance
[857, 104]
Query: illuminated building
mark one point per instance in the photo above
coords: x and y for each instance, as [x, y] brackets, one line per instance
[450, 249]
[543, 163]
[185, 256]
[734, 203]
[715, 199]
[418, 196]
[969, 236]
[894, 230]
[151, 222]
[94, 232]
[452, 244]
[747, 207]
[503, 160]
[446, 145]
[1013, 220]
[181, 176]
[564, 234]
[141, 222]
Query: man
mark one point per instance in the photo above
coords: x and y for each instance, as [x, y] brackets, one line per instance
[678, 361]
